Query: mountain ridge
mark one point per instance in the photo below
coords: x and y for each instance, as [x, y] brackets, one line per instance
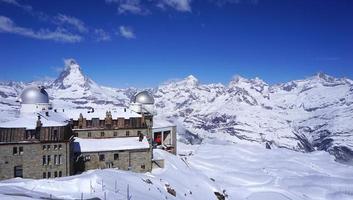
[303, 115]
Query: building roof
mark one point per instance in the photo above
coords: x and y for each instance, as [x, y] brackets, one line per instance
[109, 144]
[143, 97]
[29, 120]
[34, 95]
[101, 113]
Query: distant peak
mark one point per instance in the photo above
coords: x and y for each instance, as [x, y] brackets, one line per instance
[71, 63]
[324, 77]
[191, 80]
[237, 79]
[72, 76]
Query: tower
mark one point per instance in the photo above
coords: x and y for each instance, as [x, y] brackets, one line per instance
[34, 99]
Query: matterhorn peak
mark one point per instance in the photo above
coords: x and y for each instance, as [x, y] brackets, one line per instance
[72, 76]
[71, 63]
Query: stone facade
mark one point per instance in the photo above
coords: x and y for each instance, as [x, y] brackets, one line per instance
[137, 160]
[37, 160]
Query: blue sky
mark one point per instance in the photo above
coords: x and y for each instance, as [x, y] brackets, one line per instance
[144, 43]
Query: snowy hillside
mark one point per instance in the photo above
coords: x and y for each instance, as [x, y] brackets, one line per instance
[171, 182]
[237, 171]
[303, 115]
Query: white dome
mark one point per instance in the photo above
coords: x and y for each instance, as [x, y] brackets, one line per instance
[34, 95]
[143, 97]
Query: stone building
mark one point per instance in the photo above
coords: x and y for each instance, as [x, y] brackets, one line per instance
[37, 143]
[45, 143]
[112, 139]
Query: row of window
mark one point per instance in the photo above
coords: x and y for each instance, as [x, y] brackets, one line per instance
[58, 159]
[56, 147]
[56, 174]
[115, 134]
[102, 157]
[17, 150]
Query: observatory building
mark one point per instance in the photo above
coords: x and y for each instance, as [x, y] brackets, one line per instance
[37, 143]
[34, 99]
[45, 143]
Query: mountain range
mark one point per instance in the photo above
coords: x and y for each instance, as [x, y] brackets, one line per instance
[302, 115]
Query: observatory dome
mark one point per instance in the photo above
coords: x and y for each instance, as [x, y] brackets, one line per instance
[143, 97]
[34, 95]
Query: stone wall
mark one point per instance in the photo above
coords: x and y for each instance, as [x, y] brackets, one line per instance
[31, 159]
[138, 160]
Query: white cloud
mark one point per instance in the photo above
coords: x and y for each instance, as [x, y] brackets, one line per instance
[77, 24]
[126, 32]
[59, 34]
[130, 6]
[102, 35]
[137, 7]
[179, 5]
[27, 8]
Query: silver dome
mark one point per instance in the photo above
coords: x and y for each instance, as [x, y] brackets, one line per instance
[33, 95]
[143, 97]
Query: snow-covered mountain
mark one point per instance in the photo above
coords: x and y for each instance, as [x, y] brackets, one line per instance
[303, 115]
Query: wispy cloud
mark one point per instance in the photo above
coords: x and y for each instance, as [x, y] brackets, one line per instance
[73, 22]
[25, 7]
[126, 32]
[144, 7]
[59, 34]
[130, 7]
[179, 5]
[101, 35]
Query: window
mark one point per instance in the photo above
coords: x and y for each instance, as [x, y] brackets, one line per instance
[21, 150]
[48, 147]
[44, 175]
[87, 158]
[44, 160]
[101, 157]
[95, 122]
[18, 171]
[44, 147]
[102, 134]
[60, 146]
[127, 133]
[55, 174]
[143, 166]
[48, 159]
[60, 160]
[89, 134]
[60, 174]
[49, 174]
[115, 134]
[14, 151]
[55, 147]
[56, 162]
[55, 135]
[116, 156]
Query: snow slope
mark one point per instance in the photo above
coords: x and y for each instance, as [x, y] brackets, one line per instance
[241, 171]
[112, 184]
[248, 172]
